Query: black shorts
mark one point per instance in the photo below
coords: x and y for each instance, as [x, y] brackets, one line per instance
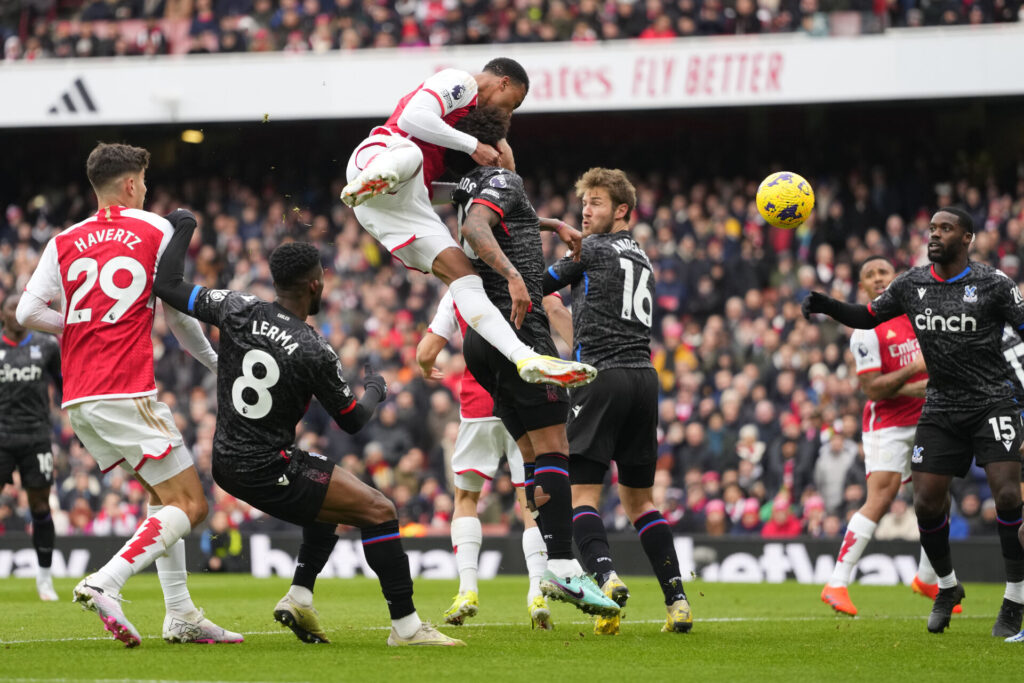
[945, 443]
[34, 461]
[522, 407]
[294, 492]
[615, 417]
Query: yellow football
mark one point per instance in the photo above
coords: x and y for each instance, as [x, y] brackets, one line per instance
[785, 199]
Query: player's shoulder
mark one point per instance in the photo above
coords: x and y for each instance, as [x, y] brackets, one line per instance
[862, 338]
[457, 87]
[149, 218]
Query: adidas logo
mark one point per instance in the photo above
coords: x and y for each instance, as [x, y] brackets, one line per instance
[74, 100]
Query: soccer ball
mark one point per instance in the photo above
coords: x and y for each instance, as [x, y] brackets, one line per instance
[785, 199]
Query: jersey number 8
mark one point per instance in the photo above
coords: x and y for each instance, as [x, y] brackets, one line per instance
[259, 385]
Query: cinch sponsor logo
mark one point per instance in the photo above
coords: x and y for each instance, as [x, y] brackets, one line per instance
[936, 323]
[29, 373]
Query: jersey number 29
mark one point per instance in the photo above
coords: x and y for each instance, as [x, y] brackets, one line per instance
[123, 297]
[636, 302]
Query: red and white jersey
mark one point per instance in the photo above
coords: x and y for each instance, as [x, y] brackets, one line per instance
[887, 348]
[474, 401]
[456, 92]
[102, 270]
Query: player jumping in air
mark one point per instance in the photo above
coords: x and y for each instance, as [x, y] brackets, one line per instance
[500, 227]
[892, 374]
[616, 416]
[958, 309]
[479, 447]
[390, 174]
[102, 271]
[29, 363]
[271, 364]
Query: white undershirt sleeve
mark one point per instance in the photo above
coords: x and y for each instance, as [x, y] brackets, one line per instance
[34, 314]
[422, 119]
[190, 335]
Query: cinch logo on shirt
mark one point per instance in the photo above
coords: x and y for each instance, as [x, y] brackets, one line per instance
[936, 323]
[29, 373]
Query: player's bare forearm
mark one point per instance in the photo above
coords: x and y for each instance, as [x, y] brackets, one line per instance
[572, 237]
[427, 351]
[558, 314]
[878, 386]
[916, 389]
[478, 231]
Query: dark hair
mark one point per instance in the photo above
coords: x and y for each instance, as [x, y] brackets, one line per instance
[292, 262]
[107, 163]
[963, 218]
[486, 124]
[875, 257]
[503, 66]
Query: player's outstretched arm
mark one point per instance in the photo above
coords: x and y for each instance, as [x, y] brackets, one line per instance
[572, 237]
[426, 354]
[478, 230]
[169, 283]
[852, 315]
[349, 414]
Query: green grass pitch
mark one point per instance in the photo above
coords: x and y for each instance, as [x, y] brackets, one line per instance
[741, 632]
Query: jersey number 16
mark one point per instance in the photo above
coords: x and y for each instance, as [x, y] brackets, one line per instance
[636, 302]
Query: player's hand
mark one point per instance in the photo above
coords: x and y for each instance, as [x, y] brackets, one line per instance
[573, 238]
[520, 300]
[431, 372]
[917, 365]
[179, 219]
[372, 379]
[485, 155]
[816, 302]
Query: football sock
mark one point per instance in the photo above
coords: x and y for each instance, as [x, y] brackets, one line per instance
[42, 538]
[467, 536]
[170, 569]
[382, 547]
[592, 540]
[1009, 521]
[318, 541]
[656, 538]
[484, 317]
[406, 626]
[948, 581]
[925, 571]
[935, 541]
[404, 160]
[536, 554]
[300, 594]
[158, 533]
[554, 504]
[858, 533]
[1015, 592]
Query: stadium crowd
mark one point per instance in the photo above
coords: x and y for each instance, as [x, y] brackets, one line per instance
[44, 29]
[760, 411]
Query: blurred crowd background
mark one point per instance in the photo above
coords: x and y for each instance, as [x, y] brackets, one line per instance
[760, 410]
[43, 29]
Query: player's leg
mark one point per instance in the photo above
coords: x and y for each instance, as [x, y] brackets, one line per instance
[183, 621]
[535, 553]
[43, 537]
[592, 538]
[637, 494]
[1003, 480]
[882, 489]
[564, 579]
[295, 610]
[453, 267]
[350, 501]
[378, 165]
[467, 537]
[35, 464]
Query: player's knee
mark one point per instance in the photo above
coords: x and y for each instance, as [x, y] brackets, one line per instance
[197, 509]
[1007, 497]
[381, 509]
[926, 507]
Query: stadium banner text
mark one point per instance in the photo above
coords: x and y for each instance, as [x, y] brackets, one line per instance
[566, 77]
[715, 559]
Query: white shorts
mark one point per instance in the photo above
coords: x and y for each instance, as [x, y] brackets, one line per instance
[889, 450]
[478, 449]
[136, 433]
[402, 220]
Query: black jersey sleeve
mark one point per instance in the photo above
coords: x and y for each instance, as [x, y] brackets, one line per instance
[335, 395]
[889, 304]
[566, 271]
[1011, 303]
[53, 369]
[502, 192]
